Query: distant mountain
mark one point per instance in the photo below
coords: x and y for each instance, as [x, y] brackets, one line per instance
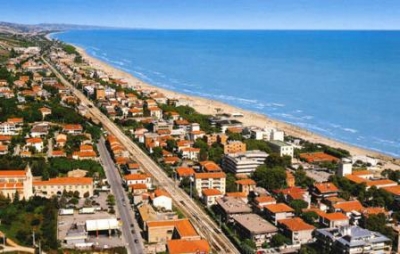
[14, 28]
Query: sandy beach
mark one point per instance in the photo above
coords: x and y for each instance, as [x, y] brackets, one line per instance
[207, 106]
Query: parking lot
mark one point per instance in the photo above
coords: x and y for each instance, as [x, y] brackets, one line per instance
[103, 240]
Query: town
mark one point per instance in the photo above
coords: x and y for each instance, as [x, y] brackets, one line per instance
[90, 162]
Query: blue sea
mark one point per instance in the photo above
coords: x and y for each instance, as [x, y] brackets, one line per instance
[342, 84]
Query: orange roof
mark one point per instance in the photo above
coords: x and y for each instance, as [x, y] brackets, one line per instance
[279, 208]
[15, 120]
[161, 192]
[374, 210]
[58, 153]
[188, 246]
[317, 157]
[183, 171]
[210, 166]
[349, 206]
[296, 224]
[326, 187]
[138, 186]
[236, 194]
[355, 179]
[34, 140]
[12, 173]
[5, 138]
[191, 149]
[133, 165]
[245, 182]
[183, 143]
[171, 160]
[395, 190]
[211, 192]
[182, 122]
[89, 154]
[121, 160]
[136, 177]
[362, 172]
[73, 127]
[264, 199]
[3, 148]
[334, 216]
[381, 182]
[183, 226]
[210, 175]
[86, 147]
[66, 181]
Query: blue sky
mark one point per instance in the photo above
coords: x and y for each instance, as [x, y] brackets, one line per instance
[209, 14]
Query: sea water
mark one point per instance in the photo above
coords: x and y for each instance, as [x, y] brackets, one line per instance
[342, 84]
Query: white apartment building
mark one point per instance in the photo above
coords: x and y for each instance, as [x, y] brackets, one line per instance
[204, 181]
[244, 163]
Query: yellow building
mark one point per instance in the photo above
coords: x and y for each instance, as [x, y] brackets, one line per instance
[12, 181]
[56, 186]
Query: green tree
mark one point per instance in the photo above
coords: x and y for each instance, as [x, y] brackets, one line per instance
[278, 240]
[271, 179]
[275, 160]
[111, 200]
[310, 217]
[230, 183]
[298, 205]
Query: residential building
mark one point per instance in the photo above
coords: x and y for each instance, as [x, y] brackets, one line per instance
[37, 143]
[279, 211]
[345, 167]
[234, 146]
[352, 240]
[324, 190]
[244, 163]
[162, 199]
[190, 153]
[333, 220]
[183, 172]
[261, 202]
[318, 157]
[138, 178]
[73, 129]
[210, 166]
[245, 185]
[56, 186]
[229, 207]
[209, 181]
[281, 148]
[209, 196]
[8, 129]
[254, 227]
[297, 230]
[220, 138]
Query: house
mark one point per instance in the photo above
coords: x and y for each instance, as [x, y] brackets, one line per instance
[138, 188]
[178, 246]
[84, 155]
[245, 185]
[190, 153]
[73, 129]
[209, 181]
[155, 112]
[324, 190]
[394, 190]
[351, 239]
[162, 199]
[45, 112]
[138, 178]
[279, 211]
[183, 172]
[290, 179]
[261, 202]
[37, 143]
[40, 130]
[209, 196]
[8, 129]
[230, 207]
[294, 193]
[352, 209]
[281, 148]
[296, 230]
[220, 138]
[61, 140]
[252, 226]
[333, 220]
[56, 186]
[210, 166]
[3, 149]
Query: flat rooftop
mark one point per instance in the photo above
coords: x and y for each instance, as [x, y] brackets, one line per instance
[255, 224]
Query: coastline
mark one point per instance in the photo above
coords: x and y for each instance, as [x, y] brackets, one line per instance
[208, 106]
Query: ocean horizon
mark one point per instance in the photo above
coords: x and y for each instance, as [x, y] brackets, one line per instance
[340, 84]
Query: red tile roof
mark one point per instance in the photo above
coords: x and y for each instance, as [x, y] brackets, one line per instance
[66, 181]
[296, 224]
[349, 206]
[317, 157]
[326, 187]
[209, 175]
[279, 208]
[188, 246]
[211, 192]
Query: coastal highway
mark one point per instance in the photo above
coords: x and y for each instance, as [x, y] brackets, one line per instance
[122, 202]
[206, 227]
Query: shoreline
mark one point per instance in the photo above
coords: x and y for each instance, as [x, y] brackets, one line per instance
[208, 106]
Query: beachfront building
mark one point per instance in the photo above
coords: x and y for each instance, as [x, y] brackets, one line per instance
[281, 148]
[56, 186]
[254, 227]
[352, 240]
[209, 181]
[13, 181]
[234, 146]
[244, 163]
[345, 167]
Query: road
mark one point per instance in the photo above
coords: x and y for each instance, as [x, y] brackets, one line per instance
[206, 227]
[122, 201]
